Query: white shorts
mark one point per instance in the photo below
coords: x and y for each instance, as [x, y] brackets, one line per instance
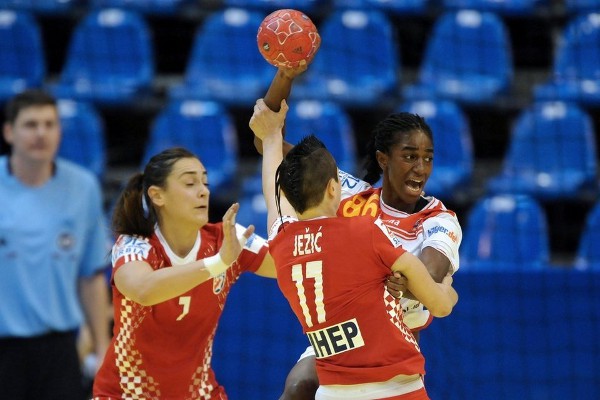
[399, 385]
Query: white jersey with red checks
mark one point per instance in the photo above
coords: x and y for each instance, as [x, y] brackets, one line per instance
[339, 303]
[433, 225]
[164, 351]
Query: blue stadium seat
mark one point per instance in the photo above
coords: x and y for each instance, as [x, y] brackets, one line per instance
[501, 7]
[330, 123]
[109, 60]
[358, 63]
[588, 254]
[42, 7]
[552, 153]
[399, 7]
[453, 155]
[577, 64]
[22, 63]
[253, 211]
[150, 7]
[506, 232]
[580, 6]
[203, 127]
[83, 136]
[225, 64]
[306, 6]
[468, 59]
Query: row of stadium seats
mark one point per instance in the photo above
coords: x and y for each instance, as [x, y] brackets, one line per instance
[110, 60]
[401, 7]
[552, 151]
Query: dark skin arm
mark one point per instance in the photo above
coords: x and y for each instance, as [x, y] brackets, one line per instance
[281, 87]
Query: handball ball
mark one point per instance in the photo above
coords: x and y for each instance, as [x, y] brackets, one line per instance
[286, 37]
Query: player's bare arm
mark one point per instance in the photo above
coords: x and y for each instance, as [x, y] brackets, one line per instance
[280, 89]
[439, 298]
[141, 283]
[437, 265]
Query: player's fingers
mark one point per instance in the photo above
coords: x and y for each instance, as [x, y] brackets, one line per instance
[229, 216]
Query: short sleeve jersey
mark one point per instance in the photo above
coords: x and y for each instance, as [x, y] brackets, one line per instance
[433, 225]
[50, 236]
[164, 351]
[341, 306]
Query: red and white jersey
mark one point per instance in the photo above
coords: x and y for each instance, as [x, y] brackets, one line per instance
[341, 308]
[164, 351]
[432, 226]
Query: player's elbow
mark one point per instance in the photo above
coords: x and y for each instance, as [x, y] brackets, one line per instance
[441, 310]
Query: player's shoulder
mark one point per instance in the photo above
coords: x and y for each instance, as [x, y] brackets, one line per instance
[432, 207]
[132, 245]
[351, 184]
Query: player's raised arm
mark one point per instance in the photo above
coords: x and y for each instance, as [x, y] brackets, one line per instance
[291, 56]
[266, 125]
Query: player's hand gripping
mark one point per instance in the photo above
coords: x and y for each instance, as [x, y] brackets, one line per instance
[293, 72]
[396, 284]
[265, 122]
[233, 243]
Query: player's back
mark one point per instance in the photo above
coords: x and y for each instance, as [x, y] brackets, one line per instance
[332, 271]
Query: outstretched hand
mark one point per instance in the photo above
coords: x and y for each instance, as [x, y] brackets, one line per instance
[232, 242]
[265, 122]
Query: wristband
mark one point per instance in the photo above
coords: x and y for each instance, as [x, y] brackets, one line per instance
[215, 265]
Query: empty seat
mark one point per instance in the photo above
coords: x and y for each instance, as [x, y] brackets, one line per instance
[502, 7]
[153, 7]
[330, 123]
[22, 63]
[400, 7]
[506, 232]
[272, 5]
[580, 6]
[468, 59]
[576, 74]
[358, 63]
[253, 211]
[552, 153]
[83, 136]
[46, 7]
[225, 64]
[203, 127]
[588, 254]
[109, 60]
[453, 148]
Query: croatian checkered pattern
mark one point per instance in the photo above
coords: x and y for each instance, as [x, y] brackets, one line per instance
[393, 307]
[200, 379]
[135, 382]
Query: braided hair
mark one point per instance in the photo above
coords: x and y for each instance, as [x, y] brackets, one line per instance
[386, 134]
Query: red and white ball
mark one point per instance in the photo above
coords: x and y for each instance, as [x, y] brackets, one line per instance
[286, 37]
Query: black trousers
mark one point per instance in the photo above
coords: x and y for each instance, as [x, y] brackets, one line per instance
[43, 367]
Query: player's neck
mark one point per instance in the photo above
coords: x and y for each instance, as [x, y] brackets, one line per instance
[322, 210]
[179, 238]
[31, 172]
